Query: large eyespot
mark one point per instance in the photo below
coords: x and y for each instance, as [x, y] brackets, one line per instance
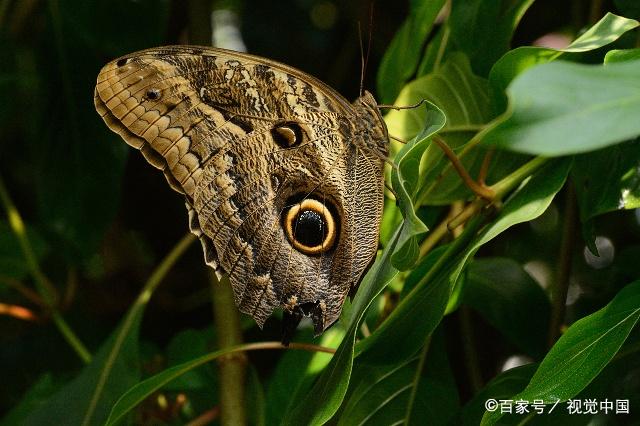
[310, 226]
[287, 134]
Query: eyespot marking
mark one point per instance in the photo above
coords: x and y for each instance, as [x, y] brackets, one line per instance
[287, 134]
[153, 94]
[310, 226]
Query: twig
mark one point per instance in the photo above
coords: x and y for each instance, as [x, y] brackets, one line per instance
[25, 291]
[560, 287]
[480, 190]
[18, 312]
[206, 417]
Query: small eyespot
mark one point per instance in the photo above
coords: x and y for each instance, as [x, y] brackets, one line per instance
[310, 227]
[153, 94]
[122, 62]
[287, 134]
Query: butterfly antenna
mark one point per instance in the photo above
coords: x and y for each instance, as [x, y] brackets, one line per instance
[366, 58]
[363, 63]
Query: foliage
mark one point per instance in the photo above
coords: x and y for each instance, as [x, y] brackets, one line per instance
[544, 271]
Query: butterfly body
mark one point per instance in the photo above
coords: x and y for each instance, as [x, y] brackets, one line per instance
[282, 177]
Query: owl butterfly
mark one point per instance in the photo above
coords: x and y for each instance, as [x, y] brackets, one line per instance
[282, 177]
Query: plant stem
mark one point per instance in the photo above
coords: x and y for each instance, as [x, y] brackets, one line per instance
[43, 285]
[231, 367]
[469, 349]
[508, 183]
[560, 287]
[480, 190]
[500, 189]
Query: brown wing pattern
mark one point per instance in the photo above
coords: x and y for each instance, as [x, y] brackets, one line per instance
[246, 140]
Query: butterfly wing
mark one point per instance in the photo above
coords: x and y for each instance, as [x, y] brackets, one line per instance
[281, 197]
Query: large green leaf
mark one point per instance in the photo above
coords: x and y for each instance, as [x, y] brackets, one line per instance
[582, 351]
[511, 301]
[515, 62]
[88, 398]
[295, 374]
[406, 179]
[461, 95]
[401, 58]
[142, 390]
[483, 29]
[414, 391]
[564, 108]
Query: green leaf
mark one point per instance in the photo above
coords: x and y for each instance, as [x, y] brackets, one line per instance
[405, 179]
[86, 400]
[582, 351]
[142, 390]
[608, 180]
[621, 55]
[483, 29]
[382, 393]
[401, 58]
[563, 108]
[415, 390]
[605, 31]
[454, 89]
[511, 301]
[515, 62]
[409, 324]
[295, 372]
[38, 394]
[189, 344]
[325, 397]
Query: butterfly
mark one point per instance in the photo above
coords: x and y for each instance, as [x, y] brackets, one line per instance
[282, 176]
